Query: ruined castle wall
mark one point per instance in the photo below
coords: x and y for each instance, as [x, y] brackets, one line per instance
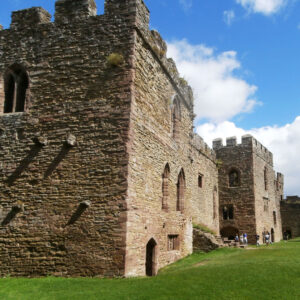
[153, 146]
[72, 91]
[240, 197]
[267, 205]
[290, 214]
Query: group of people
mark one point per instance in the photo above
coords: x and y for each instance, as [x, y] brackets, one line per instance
[243, 238]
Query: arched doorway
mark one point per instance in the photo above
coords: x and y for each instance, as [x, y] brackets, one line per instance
[272, 235]
[229, 232]
[151, 258]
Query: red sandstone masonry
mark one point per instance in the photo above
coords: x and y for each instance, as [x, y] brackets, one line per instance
[73, 91]
[248, 198]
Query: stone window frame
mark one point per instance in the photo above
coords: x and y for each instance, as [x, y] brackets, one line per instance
[266, 178]
[181, 185]
[165, 186]
[176, 118]
[238, 180]
[266, 204]
[274, 217]
[173, 242]
[229, 213]
[200, 180]
[15, 89]
[215, 196]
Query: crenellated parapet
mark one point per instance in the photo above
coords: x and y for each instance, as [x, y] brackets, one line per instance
[248, 141]
[133, 12]
[199, 144]
[68, 11]
[29, 18]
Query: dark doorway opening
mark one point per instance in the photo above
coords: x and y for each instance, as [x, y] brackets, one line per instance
[229, 232]
[151, 258]
[289, 233]
[272, 235]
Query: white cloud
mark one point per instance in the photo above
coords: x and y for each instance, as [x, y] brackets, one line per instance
[283, 142]
[186, 4]
[266, 7]
[219, 93]
[228, 16]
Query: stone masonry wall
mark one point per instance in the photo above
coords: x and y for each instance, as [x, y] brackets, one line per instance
[241, 197]
[290, 214]
[267, 202]
[153, 147]
[47, 185]
[256, 206]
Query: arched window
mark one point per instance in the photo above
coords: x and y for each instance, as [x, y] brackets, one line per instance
[16, 84]
[180, 191]
[234, 178]
[215, 196]
[266, 178]
[200, 181]
[274, 218]
[176, 118]
[165, 187]
[228, 212]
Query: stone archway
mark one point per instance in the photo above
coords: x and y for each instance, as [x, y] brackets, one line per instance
[229, 232]
[151, 254]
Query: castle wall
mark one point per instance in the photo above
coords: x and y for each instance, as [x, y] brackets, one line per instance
[240, 197]
[62, 207]
[267, 202]
[153, 146]
[255, 199]
[290, 214]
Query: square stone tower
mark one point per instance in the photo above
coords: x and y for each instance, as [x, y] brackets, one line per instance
[100, 171]
[249, 189]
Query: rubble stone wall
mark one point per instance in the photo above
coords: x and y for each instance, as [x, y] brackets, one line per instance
[290, 214]
[74, 93]
[255, 200]
[241, 197]
[153, 146]
[267, 193]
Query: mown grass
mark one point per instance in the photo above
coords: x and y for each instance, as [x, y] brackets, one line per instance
[266, 273]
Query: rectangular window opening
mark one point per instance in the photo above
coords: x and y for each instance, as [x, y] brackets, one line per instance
[173, 242]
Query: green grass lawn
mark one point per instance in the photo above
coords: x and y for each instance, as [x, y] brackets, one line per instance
[266, 273]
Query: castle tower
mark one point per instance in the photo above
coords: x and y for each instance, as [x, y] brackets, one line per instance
[249, 189]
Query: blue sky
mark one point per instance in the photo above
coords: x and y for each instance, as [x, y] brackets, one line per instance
[241, 57]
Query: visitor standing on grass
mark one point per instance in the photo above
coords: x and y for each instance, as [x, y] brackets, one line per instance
[236, 238]
[241, 239]
[245, 236]
[267, 237]
[257, 240]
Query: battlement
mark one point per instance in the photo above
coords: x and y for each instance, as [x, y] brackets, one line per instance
[74, 10]
[292, 200]
[29, 18]
[199, 144]
[133, 12]
[280, 178]
[247, 141]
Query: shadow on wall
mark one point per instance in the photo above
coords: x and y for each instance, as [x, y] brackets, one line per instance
[35, 149]
[61, 155]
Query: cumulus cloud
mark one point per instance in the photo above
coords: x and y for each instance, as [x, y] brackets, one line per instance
[266, 7]
[186, 4]
[283, 142]
[228, 16]
[219, 93]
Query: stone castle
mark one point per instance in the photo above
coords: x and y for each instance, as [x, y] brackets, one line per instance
[101, 173]
[290, 214]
